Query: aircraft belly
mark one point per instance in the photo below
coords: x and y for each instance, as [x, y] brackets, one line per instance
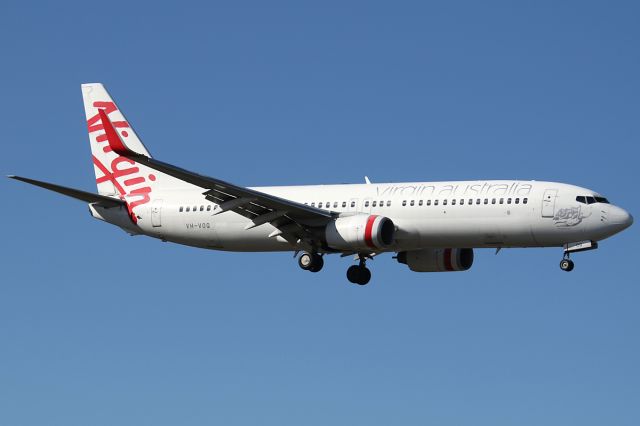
[462, 232]
[233, 237]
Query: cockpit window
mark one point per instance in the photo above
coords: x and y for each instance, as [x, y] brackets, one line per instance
[589, 199]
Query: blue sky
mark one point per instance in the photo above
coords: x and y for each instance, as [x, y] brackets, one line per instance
[100, 328]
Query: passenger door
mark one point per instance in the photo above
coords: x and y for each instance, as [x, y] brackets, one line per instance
[549, 202]
[156, 213]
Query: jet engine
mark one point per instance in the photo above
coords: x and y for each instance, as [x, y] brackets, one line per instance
[437, 260]
[360, 232]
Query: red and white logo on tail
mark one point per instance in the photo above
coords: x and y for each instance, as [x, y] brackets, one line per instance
[118, 176]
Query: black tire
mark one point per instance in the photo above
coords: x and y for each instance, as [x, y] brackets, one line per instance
[353, 273]
[317, 263]
[571, 266]
[567, 265]
[358, 275]
[305, 261]
[365, 276]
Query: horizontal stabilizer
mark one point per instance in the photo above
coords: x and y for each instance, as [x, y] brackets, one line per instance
[73, 193]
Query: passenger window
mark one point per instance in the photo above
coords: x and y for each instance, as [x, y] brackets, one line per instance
[344, 204]
[462, 201]
[335, 204]
[581, 199]
[420, 202]
[353, 204]
[404, 203]
[366, 204]
[374, 203]
[195, 208]
[517, 200]
[453, 202]
[428, 202]
[501, 200]
[524, 200]
[188, 209]
[181, 209]
[508, 200]
[412, 203]
[591, 200]
[435, 202]
[478, 201]
[201, 208]
[444, 202]
[486, 201]
[313, 204]
[389, 203]
[493, 201]
[470, 201]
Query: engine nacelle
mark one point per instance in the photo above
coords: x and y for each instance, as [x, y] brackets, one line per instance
[360, 232]
[437, 260]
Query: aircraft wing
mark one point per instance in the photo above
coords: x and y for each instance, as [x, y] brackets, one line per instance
[292, 219]
[245, 201]
[88, 197]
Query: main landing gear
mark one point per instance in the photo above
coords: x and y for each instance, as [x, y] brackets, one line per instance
[359, 274]
[311, 261]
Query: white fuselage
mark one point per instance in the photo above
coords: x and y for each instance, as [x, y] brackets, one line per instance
[471, 214]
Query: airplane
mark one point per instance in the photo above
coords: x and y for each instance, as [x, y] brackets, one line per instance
[431, 226]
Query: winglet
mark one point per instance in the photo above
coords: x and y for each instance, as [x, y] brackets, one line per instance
[115, 142]
[366, 180]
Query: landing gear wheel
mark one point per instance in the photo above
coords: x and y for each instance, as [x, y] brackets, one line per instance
[305, 261]
[566, 265]
[317, 263]
[310, 262]
[365, 276]
[360, 275]
[353, 274]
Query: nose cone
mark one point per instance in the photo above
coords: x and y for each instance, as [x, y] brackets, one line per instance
[620, 218]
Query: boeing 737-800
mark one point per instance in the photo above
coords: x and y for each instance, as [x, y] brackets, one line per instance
[432, 226]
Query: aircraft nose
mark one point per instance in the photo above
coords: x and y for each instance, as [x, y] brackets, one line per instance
[620, 217]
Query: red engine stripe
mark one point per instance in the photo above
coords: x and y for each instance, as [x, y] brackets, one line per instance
[368, 231]
[447, 260]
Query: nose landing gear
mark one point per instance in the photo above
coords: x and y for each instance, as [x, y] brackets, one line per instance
[566, 264]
